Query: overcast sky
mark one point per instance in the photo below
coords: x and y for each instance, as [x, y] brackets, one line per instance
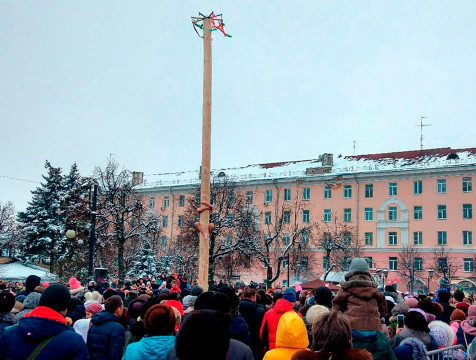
[80, 80]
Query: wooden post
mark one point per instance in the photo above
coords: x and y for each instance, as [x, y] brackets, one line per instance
[203, 263]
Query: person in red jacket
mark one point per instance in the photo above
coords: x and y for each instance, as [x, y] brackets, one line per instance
[269, 326]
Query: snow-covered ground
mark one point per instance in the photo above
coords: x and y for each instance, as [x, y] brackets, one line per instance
[19, 271]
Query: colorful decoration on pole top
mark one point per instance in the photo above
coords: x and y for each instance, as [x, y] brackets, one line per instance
[215, 20]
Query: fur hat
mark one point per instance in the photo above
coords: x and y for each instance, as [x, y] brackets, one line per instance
[458, 314]
[159, 320]
[314, 312]
[358, 264]
[94, 308]
[7, 302]
[472, 312]
[56, 297]
[415, 320]
[442, 333]
[289, 295]
[92, 297]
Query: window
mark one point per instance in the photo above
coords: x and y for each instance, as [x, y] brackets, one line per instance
[468, 265]
[369, 190]
[305, 216]
[286, 217]
[163, 240]
[467, 237]
[392, 263]
[327, 215]
[180, 221]
[165, 221]
[417, 238]
[286, 239]
[345, 263]
[347, 191]
[467, 211]
[417, 213]
[304, 262]
[325, 263]
[392, 238]
[348, 238]
[347, 215]
[151, 202]
[268, 196]
[305, 238]
[327, 192]
[417, 187]
[441, 212]
[467, 184]
[249, 197]
[166, 201]
[418, 264]
[182, 200]
[284, 263]
[369, 238]
[392, 189]
[443, 265]
[392, 213]
[369, 214]
[267, 217]
[287, 194]
[441, 186]
[370, 261]
[306, 193]
[441, 237]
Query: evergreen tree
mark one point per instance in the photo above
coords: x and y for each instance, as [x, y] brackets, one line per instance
[146, 262]
[43, 220]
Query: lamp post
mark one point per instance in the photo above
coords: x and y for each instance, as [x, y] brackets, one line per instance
[430, 276]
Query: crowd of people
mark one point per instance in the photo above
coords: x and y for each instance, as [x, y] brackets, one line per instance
[171, 318]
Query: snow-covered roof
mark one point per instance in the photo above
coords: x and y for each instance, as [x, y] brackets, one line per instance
[19, 271]
[396, 161]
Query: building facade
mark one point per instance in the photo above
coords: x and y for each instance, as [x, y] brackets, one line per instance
[421, 199]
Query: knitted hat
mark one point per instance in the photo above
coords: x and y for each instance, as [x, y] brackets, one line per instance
[411, 302]
[175, 304]
[463, 306]
[458, 315]
[56, 297]
[108, 293]
[175, 289]
[323, 296]
[289, 295]
[94, 308]
[472, 312]
[188, 301]
[32, 282]
[159, 320]
[92, 297]
[196, 291]
[442, 333]
[390, 288]
[314, 312]
[7, 302]
[74, 283]
[204, 300]
[358, 264]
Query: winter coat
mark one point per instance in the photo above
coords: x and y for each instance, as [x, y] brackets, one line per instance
[20, 340]
[31, 302]
[106, 337]
[455, 325]
[423, 336]
[290, 337]
[361, 302]
[447, 311]
[150, 347]
[6, 320]
[466, 333]
[411, 348]
[253, 315]
[236, 351]
[375, 342]
[239, 330]
[269, 326]
[345, 354]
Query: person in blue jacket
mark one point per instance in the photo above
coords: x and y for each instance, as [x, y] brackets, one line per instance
[45, 330]
[106, 337]
[159, 323]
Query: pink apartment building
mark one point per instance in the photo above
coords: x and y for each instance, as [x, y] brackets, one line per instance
[423, 198]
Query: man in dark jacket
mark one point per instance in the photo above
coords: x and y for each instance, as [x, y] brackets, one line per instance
[444, 300]
[44, 329]
[106, 337]
[31, 283]
[253, 315]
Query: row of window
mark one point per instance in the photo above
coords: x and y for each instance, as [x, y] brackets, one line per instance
[468, 264]
[442, 238]
[166, 201]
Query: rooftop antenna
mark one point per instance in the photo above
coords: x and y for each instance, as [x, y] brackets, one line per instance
[421, 126]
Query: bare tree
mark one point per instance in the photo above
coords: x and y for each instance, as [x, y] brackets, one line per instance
[444, 263]
[407, 266]
[339, 241]
[234, 228]
[9, 230]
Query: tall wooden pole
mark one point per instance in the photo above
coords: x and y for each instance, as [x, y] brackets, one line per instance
[206, 152]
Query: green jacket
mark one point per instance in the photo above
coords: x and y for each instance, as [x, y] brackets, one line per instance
[375, 342]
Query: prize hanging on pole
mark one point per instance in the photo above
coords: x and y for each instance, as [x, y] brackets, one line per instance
[216, 22]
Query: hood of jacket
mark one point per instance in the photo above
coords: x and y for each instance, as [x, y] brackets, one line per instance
[283, 306]
[41, 323]
[361, 288]
[467, 328]
[31, 301]
[150, 346]
[8, 318]
[247, 307]
[291, 332]
[418, 349]
[103, 317]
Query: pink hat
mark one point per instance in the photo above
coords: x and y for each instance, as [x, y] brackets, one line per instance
[94, 308]
[411, 302]
[472, 312]
[45, 284]
[74, 283]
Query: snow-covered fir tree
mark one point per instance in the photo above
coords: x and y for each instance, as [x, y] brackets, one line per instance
[146, 261]
[43, 220]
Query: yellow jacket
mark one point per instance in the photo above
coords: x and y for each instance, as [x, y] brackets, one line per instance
[291, 337]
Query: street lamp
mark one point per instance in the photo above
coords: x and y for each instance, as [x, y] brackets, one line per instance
[430, 276]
